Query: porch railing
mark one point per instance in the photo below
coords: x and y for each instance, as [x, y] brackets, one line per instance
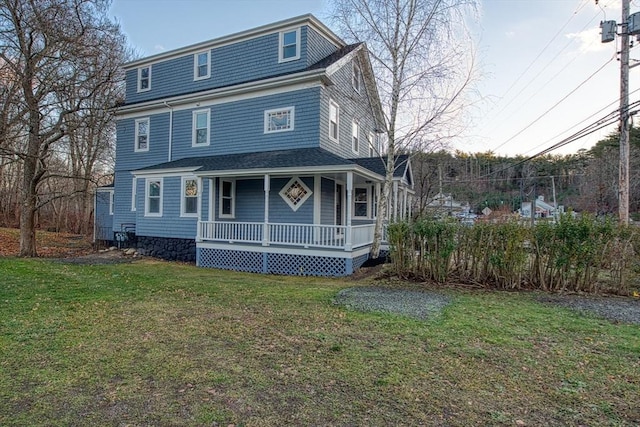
[303, 235]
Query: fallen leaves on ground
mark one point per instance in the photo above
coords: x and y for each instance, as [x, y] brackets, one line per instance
[48, 244]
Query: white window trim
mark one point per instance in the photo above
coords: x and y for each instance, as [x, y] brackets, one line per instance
[139, 89]
[195, 65]
[193, 128]
[111, 201]
[183, 205]
[135, 148]
[233, 198]
[368, 191]
[355, 125]
[146, 197]
[356, 77]
[372, 150]
[292, 114]
[281, 45]
[337, 138]
[284, 189]
[134, 193]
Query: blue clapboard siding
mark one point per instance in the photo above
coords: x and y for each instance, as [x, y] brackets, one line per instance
[318, 47]
[249, 200]
[281, 212]
[232, 64]
[103, 216]
[328, 209]
[127, 158]
[170, 224]
[204, 191]
[122, 207]
[238, 126]
[353, 105]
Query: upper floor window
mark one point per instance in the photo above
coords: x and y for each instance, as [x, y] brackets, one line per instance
[189, 202]
[144, 79]
[355, 136]
[334, 119]
[279, 120]
[201, 124]
[201, 66]
[227, 199]
[356, 79]
[153, 199]
[142, 135]
[289, 45]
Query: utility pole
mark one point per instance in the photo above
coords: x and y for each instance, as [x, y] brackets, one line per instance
[623, 180]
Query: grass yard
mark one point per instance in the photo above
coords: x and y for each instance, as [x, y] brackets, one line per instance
[164, 344]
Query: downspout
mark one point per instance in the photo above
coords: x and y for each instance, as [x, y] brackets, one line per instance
[170, 130]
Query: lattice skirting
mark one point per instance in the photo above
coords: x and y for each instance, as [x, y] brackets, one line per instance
[278, 263]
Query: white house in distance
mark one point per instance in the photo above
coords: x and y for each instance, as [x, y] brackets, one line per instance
[256, 151]
[543, 209]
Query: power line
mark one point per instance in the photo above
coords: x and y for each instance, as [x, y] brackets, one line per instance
[555, 105]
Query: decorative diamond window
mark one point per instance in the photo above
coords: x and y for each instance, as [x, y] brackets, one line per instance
[295, 193]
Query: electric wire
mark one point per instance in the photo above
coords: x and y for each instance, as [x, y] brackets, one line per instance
[555, 105]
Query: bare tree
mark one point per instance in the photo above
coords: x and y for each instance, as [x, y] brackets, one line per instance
[58, 54]
[423, 68]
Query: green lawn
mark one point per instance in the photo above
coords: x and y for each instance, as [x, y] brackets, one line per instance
[156, 343]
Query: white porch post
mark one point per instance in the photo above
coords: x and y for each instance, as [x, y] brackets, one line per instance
[200, 213]
[265, 228]
[404, 203]
[348, 238]
[410, 205]
[395, 200]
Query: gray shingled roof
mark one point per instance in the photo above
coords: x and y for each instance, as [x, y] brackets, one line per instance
[377, 165]
[302, 157]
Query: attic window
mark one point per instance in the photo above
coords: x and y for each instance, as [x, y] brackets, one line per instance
[289, 49]
[144, 79]
[356, 79]
[295, 193]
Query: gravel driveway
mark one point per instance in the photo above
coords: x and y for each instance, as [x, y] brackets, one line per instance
[425, 305]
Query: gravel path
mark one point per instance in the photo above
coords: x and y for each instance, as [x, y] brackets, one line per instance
[420, 305]
[426, 305]
[615, 309]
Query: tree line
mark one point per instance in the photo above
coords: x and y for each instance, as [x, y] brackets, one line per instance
[586, 181]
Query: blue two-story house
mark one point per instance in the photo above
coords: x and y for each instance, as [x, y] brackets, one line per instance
[259, 151]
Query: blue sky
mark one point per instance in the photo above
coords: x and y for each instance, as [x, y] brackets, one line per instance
[532, 54]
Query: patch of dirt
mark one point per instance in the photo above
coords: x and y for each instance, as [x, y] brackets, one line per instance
[110, 256]
[48, 244]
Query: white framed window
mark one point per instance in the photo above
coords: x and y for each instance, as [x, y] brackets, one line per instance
[227, 199]
[202, 65]
[289, 49]
[279, 120]
[355, 136]
[334, 120]
[189, 199]
[153, 197]
[356, 79]
[134, 193]
[371, 141]
[201, 126]
[111, 193]
[361, 202]
[295, 193]
[142, 135]
[144, 79]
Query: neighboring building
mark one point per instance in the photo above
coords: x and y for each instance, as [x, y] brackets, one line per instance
[543, 209]
[255, 151]
[445, 204]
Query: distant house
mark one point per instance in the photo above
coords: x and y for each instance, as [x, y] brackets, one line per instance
[543, 209]
[256, 151]
[446, 204]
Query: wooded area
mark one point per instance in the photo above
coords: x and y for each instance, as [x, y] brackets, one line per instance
[586, 181]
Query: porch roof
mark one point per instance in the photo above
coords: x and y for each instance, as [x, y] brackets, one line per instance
[284, 161]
